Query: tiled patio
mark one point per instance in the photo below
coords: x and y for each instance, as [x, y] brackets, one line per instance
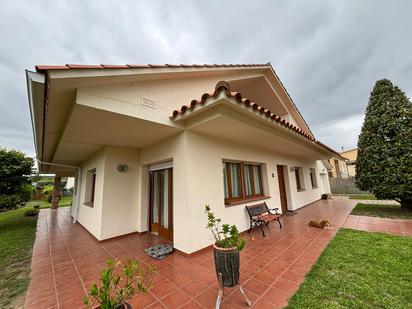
[67, 260]
[399, 227]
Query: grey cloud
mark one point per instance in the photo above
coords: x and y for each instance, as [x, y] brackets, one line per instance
[327, 53]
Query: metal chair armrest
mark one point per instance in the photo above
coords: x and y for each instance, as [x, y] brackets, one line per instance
[276, 211]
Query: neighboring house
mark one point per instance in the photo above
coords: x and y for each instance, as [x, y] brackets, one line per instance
[344, 167]
[338, 168]
[150, 145]
[351, 156]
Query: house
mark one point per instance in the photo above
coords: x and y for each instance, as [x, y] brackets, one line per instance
[351, 156]
[338, 168]
[150, 145]
[345, 166]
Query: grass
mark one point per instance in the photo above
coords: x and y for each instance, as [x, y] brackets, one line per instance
[362, 197]
[65, 201]
[382, 211]
[16, 242]
[359, 270]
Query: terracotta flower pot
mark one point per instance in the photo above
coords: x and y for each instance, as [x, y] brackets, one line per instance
[227, 262]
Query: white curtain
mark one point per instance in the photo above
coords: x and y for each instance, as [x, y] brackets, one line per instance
[236, 185]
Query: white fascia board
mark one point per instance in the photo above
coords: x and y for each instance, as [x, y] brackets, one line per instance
[31, 78]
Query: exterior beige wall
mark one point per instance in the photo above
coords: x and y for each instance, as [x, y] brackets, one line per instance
[169, 95]
[323, 179]
[91, 217]
[205, 178]
[115, 207]
[121, 199]
[120, 192]
[350, 154]
[174, 149]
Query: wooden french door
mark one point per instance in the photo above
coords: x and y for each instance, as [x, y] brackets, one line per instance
[282, 189]
[161, 208]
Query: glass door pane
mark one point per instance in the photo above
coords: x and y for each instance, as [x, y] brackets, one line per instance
[155, 198]
[164, 212]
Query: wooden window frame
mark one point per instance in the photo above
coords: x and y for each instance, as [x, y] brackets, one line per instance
[300, 187]
[313, 179]
[243, 198]
[90, 193]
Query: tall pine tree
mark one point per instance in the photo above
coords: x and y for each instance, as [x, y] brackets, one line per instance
[384, 163]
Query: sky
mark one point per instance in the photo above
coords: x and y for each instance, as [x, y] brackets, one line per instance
[328, 54]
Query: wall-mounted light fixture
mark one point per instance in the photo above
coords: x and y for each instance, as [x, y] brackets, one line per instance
[122, 168]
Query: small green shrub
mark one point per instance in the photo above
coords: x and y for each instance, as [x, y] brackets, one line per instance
[47, 190]
[225, 235]
[8, 202]
[115, 290]
[27, 192]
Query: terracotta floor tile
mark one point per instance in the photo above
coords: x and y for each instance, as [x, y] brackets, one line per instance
[163, 288]
[263, 304]
[276, 297]
[227, 304]
[191, 305]
[294, 276]
[42, 303]
[142, 300]
[179, 279]
[255, 286]
[238, 298]
[176, 299]
[77, 259]
[156, 305]
[286, 286]
[193, 288]
[207, 298]
[265, 277]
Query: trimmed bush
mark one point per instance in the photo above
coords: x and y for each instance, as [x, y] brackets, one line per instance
[8, 202]
[27, 192]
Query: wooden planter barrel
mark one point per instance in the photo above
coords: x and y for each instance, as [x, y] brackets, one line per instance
[227, 262]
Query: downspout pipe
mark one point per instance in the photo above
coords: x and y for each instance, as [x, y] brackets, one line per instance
[78, 183]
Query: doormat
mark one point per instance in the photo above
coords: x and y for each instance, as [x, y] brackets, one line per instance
[159, 252]
[290, 213]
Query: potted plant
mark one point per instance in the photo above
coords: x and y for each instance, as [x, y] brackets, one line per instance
[115, 290]
[226, 249]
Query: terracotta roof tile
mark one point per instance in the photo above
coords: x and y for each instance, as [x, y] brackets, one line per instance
[224, 86]
[84, 66]
[42, 68]
[115, 66]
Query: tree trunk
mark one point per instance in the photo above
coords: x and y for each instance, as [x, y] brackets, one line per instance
[406, 204]
[56, 192]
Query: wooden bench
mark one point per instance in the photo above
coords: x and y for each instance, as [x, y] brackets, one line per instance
[261, 215]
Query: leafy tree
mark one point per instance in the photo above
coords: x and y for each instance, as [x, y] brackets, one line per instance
[15, 167]
[384, 163]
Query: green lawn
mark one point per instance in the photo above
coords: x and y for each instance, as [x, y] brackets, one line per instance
[362, 197]
[65, 201]
[383, 211]
[16, 241]
[359, 270]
